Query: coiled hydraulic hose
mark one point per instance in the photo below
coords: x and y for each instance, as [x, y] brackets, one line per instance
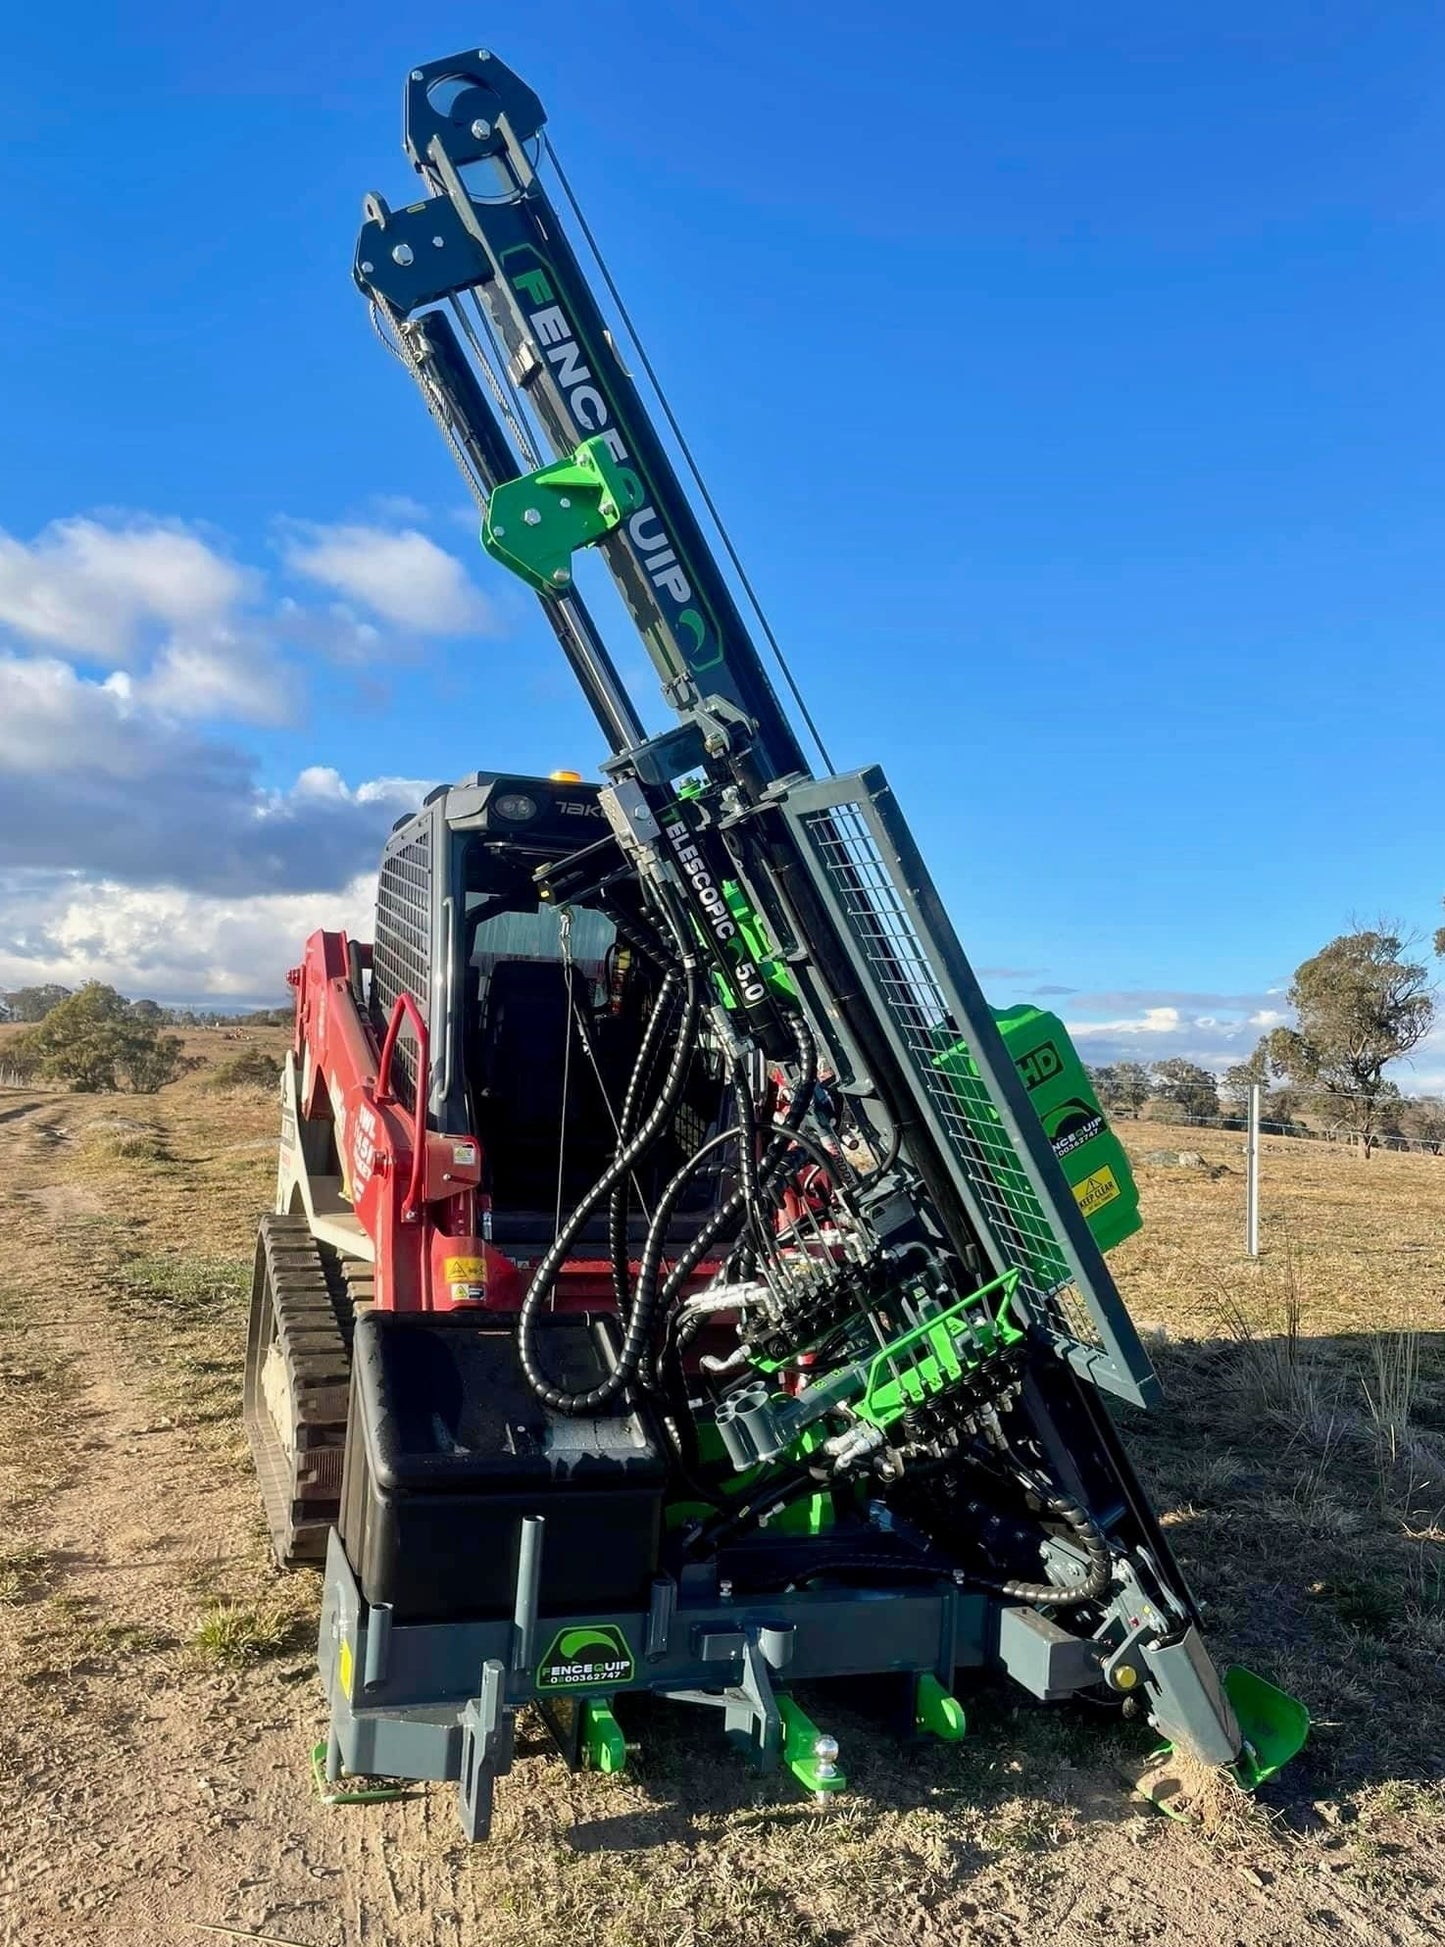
[728, 1212]
[638, 1324]
[1087, 1533]
[642, 1071]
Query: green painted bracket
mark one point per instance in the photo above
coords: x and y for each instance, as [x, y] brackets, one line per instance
[934, 1354]
[534, 525]
[604, 1748]
[809, 1753]
[936, 1711]
[363, 1795]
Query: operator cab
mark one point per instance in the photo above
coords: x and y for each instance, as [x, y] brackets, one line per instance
[536, 1009]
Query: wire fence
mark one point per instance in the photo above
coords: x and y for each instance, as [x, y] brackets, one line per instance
[1341, 1132]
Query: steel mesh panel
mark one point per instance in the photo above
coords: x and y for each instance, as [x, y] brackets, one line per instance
[909, 989]
[401, 952]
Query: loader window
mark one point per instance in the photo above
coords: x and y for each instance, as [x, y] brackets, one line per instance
[553, 1019]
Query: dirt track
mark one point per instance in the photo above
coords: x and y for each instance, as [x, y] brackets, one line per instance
[150, 1792]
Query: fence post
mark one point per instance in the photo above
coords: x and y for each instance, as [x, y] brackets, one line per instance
[1251, 1174]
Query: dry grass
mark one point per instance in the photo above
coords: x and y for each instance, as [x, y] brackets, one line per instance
[1297, 1466]
[1299, 1462]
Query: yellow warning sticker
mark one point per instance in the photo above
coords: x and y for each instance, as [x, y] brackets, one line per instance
[1097, 1190]
[344, 1665]
[464, 1270]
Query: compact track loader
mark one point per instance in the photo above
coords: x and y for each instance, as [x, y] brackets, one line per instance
[681, 1280]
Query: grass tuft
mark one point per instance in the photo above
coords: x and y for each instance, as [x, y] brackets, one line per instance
[120, 1139]
[253, 1068]
[25, 1570]
[231, 1633]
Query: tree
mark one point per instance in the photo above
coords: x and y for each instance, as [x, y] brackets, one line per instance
[34, 1003]
[1359, 1003]
[93, 1040]
[1192, 1090]
[1423, 1120]
[1123, 1087]
[1241, 1078]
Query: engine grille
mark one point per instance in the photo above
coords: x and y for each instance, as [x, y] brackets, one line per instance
[401, 952]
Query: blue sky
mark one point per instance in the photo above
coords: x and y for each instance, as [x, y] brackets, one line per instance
[1070, 382]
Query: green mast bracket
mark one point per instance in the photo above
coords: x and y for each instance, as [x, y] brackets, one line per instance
[534, 525]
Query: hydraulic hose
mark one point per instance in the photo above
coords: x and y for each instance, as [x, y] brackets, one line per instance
[728, 1212]
[1090, 1538]
[642, 1070]
[628, 1156]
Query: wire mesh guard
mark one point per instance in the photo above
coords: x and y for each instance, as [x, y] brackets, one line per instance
[401, 953]
[909, 989]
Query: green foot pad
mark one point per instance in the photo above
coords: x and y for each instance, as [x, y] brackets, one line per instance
[361, 1795]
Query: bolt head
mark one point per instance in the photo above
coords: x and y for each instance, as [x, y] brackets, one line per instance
[439, 243]
[481, 130]
[532, 517]
[367, 269]
[500, 533]
[402, 255]
[563, 501]
[416, 74]
[561, 577]
[484, 54]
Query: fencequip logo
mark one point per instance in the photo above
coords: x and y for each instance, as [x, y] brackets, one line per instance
[1040, 1064]
[589, 401]
[586, 1656]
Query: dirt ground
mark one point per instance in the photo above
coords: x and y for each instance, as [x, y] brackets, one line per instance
[160, 1704]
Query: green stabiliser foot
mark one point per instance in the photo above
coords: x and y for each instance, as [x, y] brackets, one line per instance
[937, 1712]
[810, 1754]
[361, 1795]
[604, 1748]
[536, 524]
[1273, 1724]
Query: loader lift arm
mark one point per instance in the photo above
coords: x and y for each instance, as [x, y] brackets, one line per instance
[929, 1328]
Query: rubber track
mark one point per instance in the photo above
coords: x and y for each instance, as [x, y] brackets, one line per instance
[308, 1301]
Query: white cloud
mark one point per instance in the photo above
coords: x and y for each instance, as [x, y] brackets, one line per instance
[336, 632]
[1153, 1020]
[93, 780]
[139, 843]
[169, 944]
[204, 637]
[227, 674]
[98, 591]
[1214, 1030]
[401, 576]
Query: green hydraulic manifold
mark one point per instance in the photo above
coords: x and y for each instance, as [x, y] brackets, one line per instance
[535, 524]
